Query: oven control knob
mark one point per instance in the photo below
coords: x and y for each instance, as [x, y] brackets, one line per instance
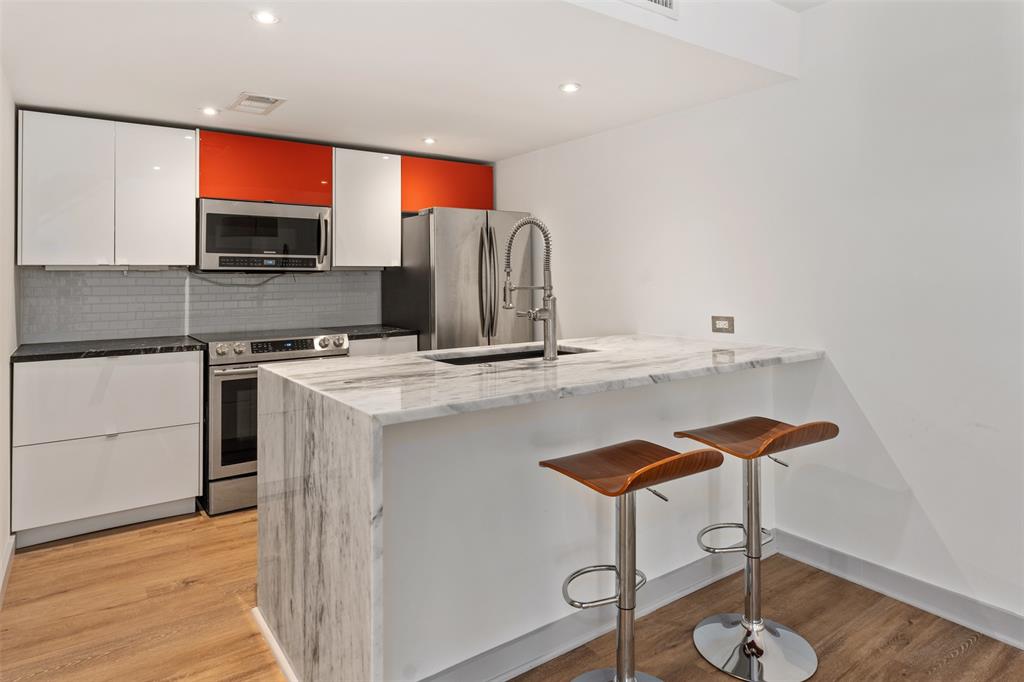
[339, 341]
[221, 349]
[239, 348]
[325, 342]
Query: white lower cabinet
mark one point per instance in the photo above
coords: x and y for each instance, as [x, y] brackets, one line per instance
[390, 345]
[98, 441]
[76, 479]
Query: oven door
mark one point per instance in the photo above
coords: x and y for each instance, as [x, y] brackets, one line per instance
[245, 235]
[232, 422]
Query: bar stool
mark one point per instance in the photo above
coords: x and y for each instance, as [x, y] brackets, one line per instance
[746, 645]
[618, 471]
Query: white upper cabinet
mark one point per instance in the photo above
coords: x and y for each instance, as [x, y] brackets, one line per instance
[155, 189]
[367, 209]
[95, 192]
[66, 190]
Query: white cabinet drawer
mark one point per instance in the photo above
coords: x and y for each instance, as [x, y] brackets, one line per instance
[76, 479]
[382, 346]
[400, 344]
[357, 347]
[66, 399]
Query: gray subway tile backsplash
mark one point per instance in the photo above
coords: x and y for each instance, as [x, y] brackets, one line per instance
[83, 305]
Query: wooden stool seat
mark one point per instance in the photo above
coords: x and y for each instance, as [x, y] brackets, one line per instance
[756, 436]
[625, 467]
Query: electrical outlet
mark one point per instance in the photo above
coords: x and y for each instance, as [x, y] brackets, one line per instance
[723, 324]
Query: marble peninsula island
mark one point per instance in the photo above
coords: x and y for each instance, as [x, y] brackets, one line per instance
[406, 531]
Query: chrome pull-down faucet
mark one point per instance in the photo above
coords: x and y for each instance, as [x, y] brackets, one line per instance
[546, 313]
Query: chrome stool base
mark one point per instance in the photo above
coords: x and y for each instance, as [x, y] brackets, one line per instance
[732, 647]
[608, 675]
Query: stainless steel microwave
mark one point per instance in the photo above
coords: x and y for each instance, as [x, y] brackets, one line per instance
[255, 237]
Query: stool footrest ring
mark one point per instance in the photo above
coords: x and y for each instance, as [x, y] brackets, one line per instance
[641, 581]
[766, 537]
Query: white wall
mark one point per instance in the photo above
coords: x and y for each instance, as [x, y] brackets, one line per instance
[8, 335]
[872, 209]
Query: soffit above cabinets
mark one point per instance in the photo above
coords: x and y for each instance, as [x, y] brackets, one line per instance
[480, 77]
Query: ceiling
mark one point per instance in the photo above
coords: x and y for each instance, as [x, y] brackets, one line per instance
[480, 77]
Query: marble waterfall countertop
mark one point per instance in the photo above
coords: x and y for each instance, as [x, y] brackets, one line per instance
[322, 587]
[409, 387]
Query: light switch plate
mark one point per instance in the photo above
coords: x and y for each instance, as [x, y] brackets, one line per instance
[723, 324]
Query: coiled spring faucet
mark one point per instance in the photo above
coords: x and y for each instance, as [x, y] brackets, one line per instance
[546, 313]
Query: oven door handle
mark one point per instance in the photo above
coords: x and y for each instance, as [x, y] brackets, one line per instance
[234, 372]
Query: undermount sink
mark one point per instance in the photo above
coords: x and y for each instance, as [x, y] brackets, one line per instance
[503, 356]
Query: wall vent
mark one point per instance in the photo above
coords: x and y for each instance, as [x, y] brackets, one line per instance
[250, 103]
[666, 8]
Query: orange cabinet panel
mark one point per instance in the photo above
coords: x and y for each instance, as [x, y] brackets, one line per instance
[263, 169]
[433, 182]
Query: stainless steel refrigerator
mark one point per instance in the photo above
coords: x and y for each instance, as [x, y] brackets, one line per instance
[449, 285]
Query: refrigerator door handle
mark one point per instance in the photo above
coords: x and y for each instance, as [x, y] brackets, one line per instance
[494, 281]
[484, 282]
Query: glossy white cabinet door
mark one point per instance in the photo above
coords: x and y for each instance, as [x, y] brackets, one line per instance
[400, 344]
[367, 209]
[155, 215]
[357, 347]
[76, 479]
[386, 346]
[66, 190]
[65, 399]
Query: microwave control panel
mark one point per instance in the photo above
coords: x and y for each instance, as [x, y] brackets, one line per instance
[266, 262]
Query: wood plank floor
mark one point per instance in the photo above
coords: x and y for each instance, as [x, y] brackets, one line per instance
[167, 600]
[170, 600]
[859, 635]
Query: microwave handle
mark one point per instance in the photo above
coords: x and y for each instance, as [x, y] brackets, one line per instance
[323, 241]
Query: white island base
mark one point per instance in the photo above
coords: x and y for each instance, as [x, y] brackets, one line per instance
[406, 531]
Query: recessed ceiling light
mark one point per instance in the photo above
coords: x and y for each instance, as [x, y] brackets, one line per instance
[156, 167]
[570, 87]
[429, 140]
[264, 17]
[323, 182]
[188, 137]
[385, 157]
[209, 111]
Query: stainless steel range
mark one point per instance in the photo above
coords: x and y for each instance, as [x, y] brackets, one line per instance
[230, 453]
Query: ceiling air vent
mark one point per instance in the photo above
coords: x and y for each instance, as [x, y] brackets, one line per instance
[249, 103]
[664, 7]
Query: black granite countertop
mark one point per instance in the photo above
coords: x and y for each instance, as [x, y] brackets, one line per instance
[372, 331]
[67, 350]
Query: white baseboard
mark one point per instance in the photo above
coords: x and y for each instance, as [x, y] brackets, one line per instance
[282, 660]
[59, 531]
[550, 641]
[6, 557]
[997, 623]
